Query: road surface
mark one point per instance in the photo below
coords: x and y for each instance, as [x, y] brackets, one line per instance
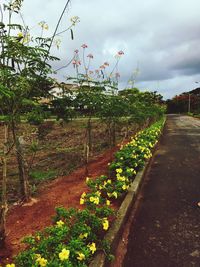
[166, 230]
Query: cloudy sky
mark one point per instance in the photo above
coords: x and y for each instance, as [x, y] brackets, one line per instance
[160, 37]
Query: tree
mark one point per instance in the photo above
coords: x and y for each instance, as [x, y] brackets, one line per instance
[113, 109]
[23, 80]
[88, 102]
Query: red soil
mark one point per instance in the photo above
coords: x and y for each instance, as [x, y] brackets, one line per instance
[24, 220]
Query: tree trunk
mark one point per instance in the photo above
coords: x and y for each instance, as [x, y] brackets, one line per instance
[113, 134]
[89, 130]
[109, 135]
[88, 145]
[86, 155]
[23, 177]
[110, 139]
[4, 205]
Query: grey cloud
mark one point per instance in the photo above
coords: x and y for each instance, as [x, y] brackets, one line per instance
[163, 36]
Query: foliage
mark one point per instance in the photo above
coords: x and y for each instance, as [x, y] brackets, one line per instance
[37, 116]
[39, 176]
[185, 102]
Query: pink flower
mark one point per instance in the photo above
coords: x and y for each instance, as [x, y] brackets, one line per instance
[76, 63]
[76, 51]
[84, 46]
[90, 56]
[120, 53]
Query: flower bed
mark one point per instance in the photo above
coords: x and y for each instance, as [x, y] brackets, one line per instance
[77, 234]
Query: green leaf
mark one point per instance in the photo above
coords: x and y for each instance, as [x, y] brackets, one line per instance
[15, 26]
[2, 25]
[5, 91]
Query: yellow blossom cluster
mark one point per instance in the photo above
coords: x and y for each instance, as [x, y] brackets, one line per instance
[64, 254]
[105, 224]
[60, 223]
[82, 199]
[92, 247]
[94, 200]
[82, 236]
[80, 256]
[40, 260]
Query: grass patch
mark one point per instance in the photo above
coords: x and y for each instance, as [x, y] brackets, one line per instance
[40, 176]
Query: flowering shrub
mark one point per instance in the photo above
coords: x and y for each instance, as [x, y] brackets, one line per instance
[70, 241]
[77, 234]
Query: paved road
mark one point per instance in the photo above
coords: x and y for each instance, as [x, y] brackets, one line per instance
[166, 232]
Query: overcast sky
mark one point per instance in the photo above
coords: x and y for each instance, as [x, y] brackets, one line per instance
[162, 37]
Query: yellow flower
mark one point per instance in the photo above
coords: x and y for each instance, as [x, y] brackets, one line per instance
[10, 265]
[81, 256]
[108, 202]
[60, 223]
[119, 170]
[124, 187]
[85, 235]
[109, 194]
[64, 254]
[109, 181]
[114, 194]
[100, 187]
[38, 237]
[20, 35]
[95, 200]
[87, 179]
[150, 144]
[121, 178]
[98, 193]
[42, 261]
[91, 199]
[105, 224]
[92, 247]
[82, 201]
[83, 195]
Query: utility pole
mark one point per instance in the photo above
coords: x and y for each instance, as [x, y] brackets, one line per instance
[189, 102]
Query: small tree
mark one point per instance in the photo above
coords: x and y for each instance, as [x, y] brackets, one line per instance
[113, 109]
[87, 103]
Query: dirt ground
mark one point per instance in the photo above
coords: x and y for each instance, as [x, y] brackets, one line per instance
[165, 229]
[60, 150]
[26, 219]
